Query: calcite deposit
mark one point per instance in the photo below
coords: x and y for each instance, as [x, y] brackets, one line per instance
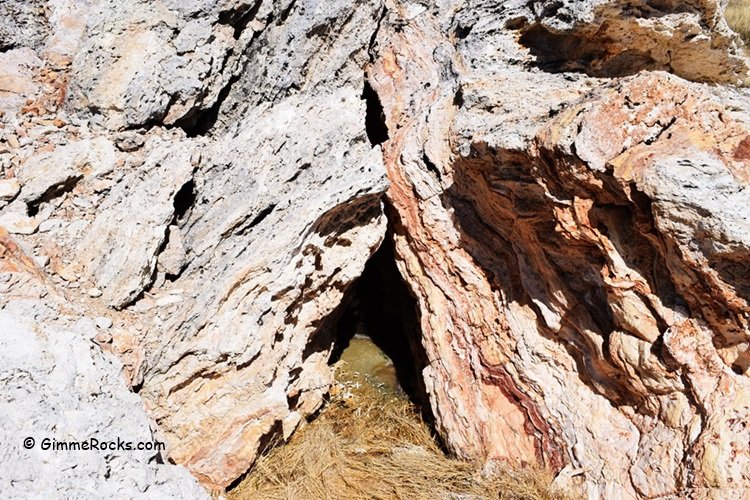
[188, 190]
[579, 250]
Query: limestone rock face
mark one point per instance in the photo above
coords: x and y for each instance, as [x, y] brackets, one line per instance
[212, 188]
[579, 250]
[59, 387]
[193, 186]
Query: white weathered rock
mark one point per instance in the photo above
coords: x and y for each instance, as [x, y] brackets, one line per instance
[46, 174]
[571, 219]
[17, 79]
[174, 256]
[134, 68]
[18, 223]
[9, 188]
[58, 386]
[119, 249]
[103, 322]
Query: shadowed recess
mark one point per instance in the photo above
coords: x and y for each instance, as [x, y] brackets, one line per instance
[381, 308]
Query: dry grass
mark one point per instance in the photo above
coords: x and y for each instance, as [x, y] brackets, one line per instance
[738, 18]
[368, 444]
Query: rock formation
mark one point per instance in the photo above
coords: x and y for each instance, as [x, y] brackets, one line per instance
[192, 187]
[578, 247]
[59, 386]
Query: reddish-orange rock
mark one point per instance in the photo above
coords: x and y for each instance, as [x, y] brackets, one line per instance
[578, 249]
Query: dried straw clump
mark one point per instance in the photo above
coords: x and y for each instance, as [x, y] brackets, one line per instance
[368, 444]
[738, 18]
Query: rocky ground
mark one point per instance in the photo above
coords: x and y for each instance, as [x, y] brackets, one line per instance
[188, 190]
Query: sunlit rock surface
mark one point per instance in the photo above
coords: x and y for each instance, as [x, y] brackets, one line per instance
[564, 184]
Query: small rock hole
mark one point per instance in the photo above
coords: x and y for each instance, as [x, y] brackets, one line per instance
[375, 126]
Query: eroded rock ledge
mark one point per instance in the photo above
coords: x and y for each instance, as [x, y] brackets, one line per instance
[578, 250]
[199, 183]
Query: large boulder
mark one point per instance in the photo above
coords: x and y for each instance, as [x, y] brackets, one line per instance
[577, 240]
[193, 186]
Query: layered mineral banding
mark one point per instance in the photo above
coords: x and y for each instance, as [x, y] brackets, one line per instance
[579, 251]
[566, 190]
[218, 190]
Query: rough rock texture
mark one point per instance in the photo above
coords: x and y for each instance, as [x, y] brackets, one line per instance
[196, 184]
[578, 248]
[226, 240]
[58, 385]
[606, 38]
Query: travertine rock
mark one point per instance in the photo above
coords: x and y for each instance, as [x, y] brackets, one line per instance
[617, 38]
[277, 214]
[270, 258]
[148, 62]
[24, 24]
[581, 247]
[59, 387]
[48, 173]
[568, 203]
[16, 79]
[9, 188]
[224, 255]
[137, 212]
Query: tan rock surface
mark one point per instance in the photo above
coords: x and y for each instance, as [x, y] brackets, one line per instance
[568, 203]
[565, 237]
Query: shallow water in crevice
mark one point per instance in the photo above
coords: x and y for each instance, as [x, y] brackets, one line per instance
[363, 362]
[378, 336]
[373, 438]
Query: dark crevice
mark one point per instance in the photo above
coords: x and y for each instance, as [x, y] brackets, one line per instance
[458, 99]
[241, 366]
[292, 401]
[201, 122]
[374, 36]
[171, 277]
[238, 18]
[462, 32]
[184, 200]
[380, 306]
[431, 166]
[53, 192]
[375, 126]
[570, 52]
[258, 218]
[301, 169]
[664, 128]
[286, 13]
[268, 441]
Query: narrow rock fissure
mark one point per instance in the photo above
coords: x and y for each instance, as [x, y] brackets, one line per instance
[184, 200]
[238, 18]
[378, 334]
[375, 126]
[200, 123]
[566, 52]
[53, 192]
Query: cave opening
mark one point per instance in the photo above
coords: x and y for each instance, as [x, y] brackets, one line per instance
[375, 125]
[378, 332]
